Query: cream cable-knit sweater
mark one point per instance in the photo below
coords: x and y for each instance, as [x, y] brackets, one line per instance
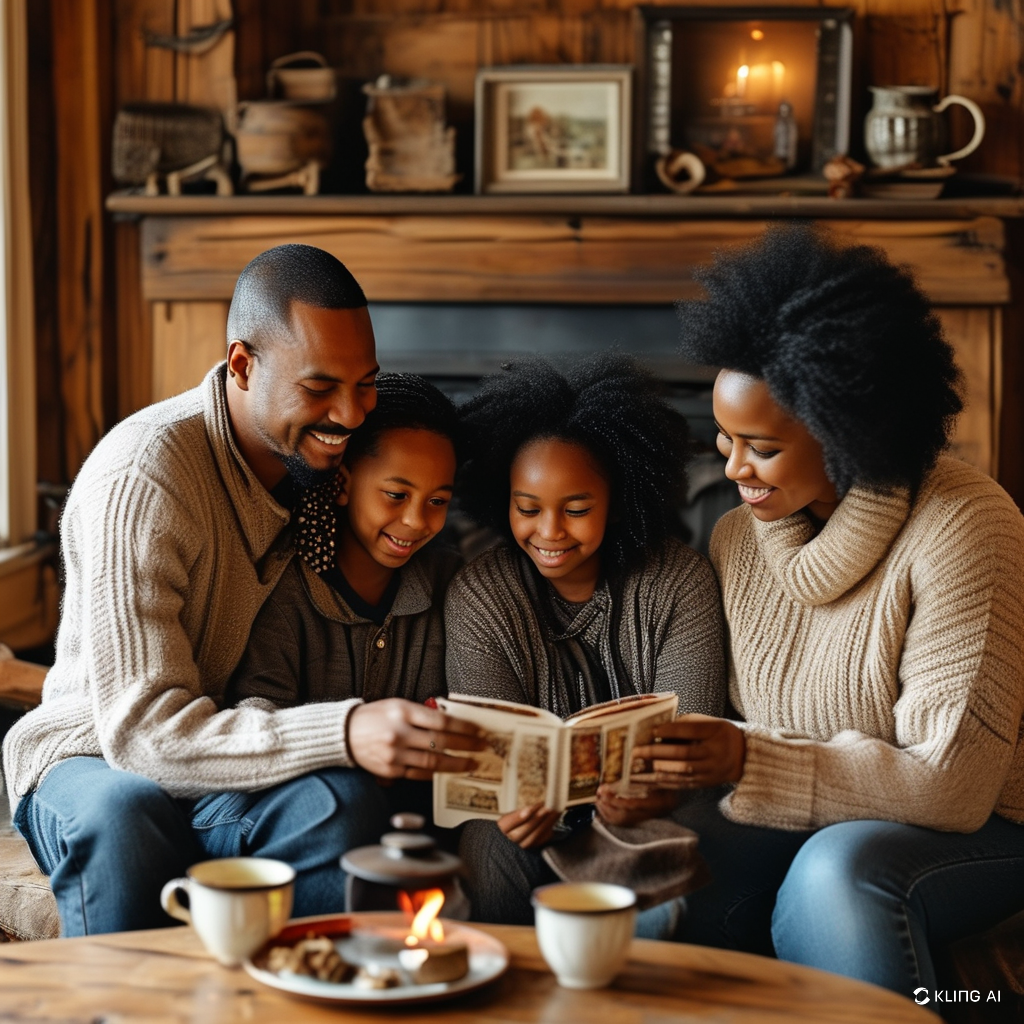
[878, 665]
[170, 547]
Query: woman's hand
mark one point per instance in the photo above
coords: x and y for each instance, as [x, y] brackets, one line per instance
[695, 752]
[631, 810]
[529, 827]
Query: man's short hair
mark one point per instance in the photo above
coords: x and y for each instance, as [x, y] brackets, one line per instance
[267, 287]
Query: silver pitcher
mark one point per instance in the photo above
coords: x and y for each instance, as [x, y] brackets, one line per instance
[904, 127]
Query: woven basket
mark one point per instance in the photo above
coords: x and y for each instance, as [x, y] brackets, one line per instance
[302, 77]
[162, 137]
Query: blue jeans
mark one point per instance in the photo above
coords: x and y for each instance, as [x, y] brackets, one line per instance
[110, 839]
[873, 900]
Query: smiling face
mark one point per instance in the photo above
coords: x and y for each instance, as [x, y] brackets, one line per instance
[294, 404]
[396, 499]
[772, 457]
[558, 511]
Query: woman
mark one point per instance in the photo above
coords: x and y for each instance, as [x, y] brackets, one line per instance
[592, 596]
[874, 599]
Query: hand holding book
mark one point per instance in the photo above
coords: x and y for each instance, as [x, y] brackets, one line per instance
[695, 752]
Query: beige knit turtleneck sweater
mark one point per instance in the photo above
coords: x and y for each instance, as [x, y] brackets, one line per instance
[878, 665]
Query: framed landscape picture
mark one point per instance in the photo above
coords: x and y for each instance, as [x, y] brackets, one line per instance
[562, 128]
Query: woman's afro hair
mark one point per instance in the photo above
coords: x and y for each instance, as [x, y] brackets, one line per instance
[405, 401]
[845, 342]
[606, 405]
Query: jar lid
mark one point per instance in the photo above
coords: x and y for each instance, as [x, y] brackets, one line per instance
[404, 859]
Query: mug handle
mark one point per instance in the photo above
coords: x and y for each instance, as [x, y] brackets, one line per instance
[170, 902]
[979, 127]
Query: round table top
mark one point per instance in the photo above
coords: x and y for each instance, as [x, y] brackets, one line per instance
[165, 975]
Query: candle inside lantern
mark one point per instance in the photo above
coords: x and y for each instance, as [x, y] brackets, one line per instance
[427, 956]
[742, 74]
[778, 81]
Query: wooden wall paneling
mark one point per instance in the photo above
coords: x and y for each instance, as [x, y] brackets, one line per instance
[134, 324]
[987, 64]
[540, 39]
[50, 415]
[143, 72]
[442, 51]
[266, 30]
[1011, 413]
[547, 259]
[83, 117]
[207, 79]
[907, 49]
[188, 338]
[974, 335]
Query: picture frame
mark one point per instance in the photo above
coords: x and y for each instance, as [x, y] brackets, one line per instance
[554, 128]
[678, 48]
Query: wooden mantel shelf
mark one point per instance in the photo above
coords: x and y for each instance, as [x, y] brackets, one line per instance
[132, 204]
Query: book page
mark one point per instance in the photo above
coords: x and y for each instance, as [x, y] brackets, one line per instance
[607, 734]
[517, 768]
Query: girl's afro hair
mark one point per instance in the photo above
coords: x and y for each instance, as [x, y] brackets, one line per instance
[845, 342]
[405, 401]
[606, 405]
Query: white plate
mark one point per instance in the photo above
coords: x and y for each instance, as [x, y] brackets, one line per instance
[352, 933]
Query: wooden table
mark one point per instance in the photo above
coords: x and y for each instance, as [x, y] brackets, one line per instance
[165, 976]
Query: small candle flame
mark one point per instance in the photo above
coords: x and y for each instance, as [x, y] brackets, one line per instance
[423, 907]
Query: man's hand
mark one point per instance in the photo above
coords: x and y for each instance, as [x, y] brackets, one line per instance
[530, 827]
[695, 752]
[398, 739]
[631, 810]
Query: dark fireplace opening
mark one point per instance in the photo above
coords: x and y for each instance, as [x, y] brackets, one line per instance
[455, 344]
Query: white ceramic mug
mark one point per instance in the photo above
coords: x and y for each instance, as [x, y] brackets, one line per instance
[235, 904]
[584, 930]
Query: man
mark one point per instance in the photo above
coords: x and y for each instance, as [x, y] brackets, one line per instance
[173, 535]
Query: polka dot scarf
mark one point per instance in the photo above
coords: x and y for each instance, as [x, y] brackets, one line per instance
[317, 520]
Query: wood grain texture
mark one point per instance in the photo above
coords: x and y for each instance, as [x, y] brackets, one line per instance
[80, 86]
[207, 79]
[166, 976]
[681, 207]
[976, 340]
[21, 683]
[134, 326]
[143, 72]
[188, 338]
[50, 411]
[541, 259]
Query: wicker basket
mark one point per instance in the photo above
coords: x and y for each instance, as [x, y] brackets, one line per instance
[162, 137]
[302, 77]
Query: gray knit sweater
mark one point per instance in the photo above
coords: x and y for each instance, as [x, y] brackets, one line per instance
[878, 663]
[308, 645]
[663, 620]
[170, 547]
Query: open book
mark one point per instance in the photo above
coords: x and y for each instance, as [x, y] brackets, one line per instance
[534, 756]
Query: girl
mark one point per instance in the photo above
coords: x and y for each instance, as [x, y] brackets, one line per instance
[874, 595]
[358, 614]
[591, 596]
